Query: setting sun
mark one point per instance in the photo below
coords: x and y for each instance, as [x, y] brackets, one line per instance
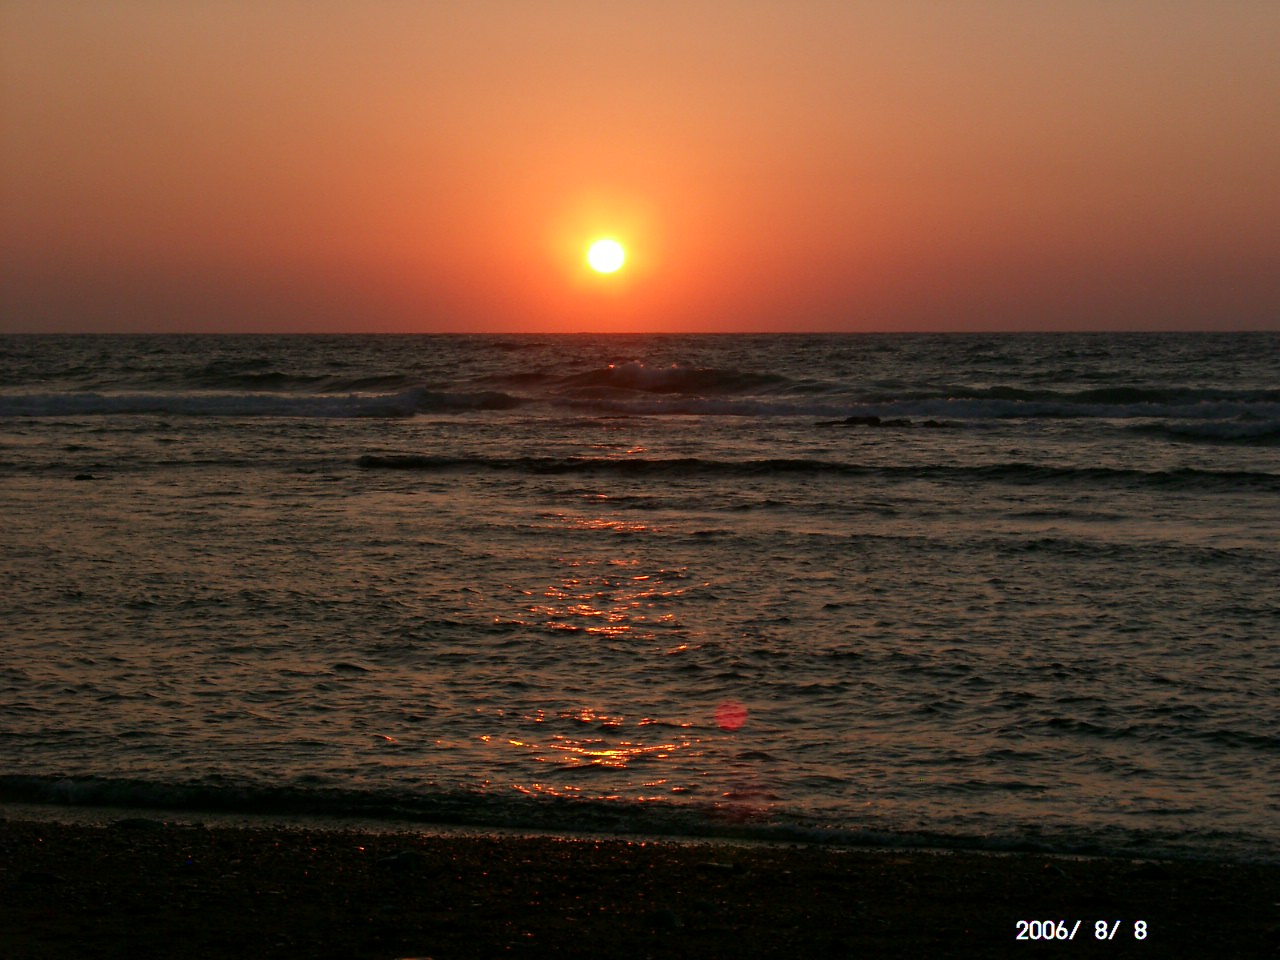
[606, 256]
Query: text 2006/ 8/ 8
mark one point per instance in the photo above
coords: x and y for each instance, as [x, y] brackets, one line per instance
[1063, 930]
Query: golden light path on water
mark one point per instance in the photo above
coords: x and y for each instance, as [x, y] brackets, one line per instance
[604, 599]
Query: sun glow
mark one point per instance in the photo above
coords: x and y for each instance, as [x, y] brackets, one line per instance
[606, 256]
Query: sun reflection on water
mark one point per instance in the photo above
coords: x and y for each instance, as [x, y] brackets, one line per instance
[573, 752]
[607, 597]
[616, 593]
[587, 740]
[588, 753]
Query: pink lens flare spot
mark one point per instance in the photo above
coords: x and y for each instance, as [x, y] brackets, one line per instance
[731, 715]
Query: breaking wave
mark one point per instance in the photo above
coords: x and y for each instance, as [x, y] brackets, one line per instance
[489, 811]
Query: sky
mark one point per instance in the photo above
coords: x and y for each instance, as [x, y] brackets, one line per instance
[803, 165]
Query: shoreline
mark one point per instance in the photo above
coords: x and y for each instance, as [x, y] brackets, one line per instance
[745, 834]
[141, 888]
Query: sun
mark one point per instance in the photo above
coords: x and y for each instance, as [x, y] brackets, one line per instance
[606, 256]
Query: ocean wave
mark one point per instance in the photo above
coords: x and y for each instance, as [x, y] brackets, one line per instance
[487, 810]
[456, 807]
[1118, 396]
[831, 405]
[1245, 431]
[981, 408]
[252, 380]
[277, 381]
[696, 406]
[633, 389]
[634, 376]
[1188, 478]
[220, 404]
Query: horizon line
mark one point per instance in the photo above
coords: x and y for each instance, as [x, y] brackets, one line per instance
[620, 333]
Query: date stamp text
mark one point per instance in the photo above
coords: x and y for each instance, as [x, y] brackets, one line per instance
[1067, 929]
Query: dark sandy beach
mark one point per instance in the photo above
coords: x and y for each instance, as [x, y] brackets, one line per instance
[145, 889]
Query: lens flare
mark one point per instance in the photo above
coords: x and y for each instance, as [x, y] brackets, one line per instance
[731, 715]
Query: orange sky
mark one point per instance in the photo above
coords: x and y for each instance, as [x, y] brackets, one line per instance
[398, 165]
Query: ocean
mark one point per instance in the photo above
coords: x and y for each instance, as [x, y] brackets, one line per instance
[1004, 592]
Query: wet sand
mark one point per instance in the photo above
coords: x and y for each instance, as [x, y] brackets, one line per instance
[146, 889]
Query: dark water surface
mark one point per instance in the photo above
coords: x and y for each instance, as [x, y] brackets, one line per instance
[647, 583]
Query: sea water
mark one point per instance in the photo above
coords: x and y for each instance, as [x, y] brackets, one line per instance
[999, 591]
